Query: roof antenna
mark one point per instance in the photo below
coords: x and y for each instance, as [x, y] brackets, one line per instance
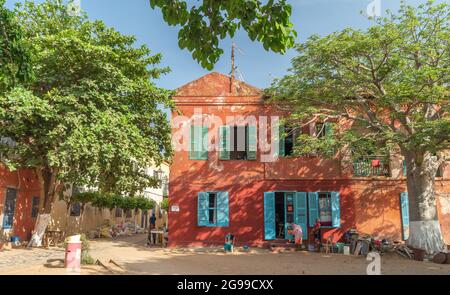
[233, 67]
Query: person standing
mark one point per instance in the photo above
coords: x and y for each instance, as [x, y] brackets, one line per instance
[298, 234]
[317, 233]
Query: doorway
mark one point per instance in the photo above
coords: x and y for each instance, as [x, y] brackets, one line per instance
[281, 211]
[9, 209]
[280, 216]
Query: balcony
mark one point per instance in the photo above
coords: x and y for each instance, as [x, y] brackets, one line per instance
[372, 166]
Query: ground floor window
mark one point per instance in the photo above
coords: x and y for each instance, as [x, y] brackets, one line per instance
[325, 211]
[213, 209]
[75, 209]
[35, 207]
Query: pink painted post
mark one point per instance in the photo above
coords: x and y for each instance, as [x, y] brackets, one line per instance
[73, 257]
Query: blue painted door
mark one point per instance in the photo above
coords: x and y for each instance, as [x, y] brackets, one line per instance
[269, 216]
[313, 201]
[301, 215]
[10, 206]
[404, 204]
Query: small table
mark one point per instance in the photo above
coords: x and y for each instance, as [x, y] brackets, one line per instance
[157, 235]
[52, 238]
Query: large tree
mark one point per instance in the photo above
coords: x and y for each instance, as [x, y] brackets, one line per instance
[391, 82]
[204, 23]
[92, 115]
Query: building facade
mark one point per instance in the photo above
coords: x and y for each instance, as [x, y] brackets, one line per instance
[234, 185]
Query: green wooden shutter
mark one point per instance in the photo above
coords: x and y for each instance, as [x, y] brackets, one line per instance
[204, 144]
[336, 209]
[223, 219]
[252, 143]
[404, 204]
[269, 216]
[313, 202]
[225, 145]
[202, 211]
[199, 135]
[300, 218]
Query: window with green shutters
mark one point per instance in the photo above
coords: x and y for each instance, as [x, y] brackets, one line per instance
[213, 209]
[199, 143]
[324, 129]
[288, 139]
[231, 137]
[326, 207]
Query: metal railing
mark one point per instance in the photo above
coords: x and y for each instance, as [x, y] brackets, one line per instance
[372, 166]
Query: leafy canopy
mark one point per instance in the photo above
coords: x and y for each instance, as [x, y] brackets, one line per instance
[389, 84]
[92, 114]
[205, 23]
[14, 56]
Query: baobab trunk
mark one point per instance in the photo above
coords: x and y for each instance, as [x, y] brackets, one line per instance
[425, 230]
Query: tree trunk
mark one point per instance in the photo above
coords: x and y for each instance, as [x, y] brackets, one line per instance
[425, 230]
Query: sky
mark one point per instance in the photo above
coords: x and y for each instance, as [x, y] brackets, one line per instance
[255, 65]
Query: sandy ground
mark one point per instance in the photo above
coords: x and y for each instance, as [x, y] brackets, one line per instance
[132, 254]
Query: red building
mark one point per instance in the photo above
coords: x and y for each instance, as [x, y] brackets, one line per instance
[232, 186]
[19, 203]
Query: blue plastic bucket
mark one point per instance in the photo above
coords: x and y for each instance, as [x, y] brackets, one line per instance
[15, 239]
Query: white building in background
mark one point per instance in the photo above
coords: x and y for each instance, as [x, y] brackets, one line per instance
[161, 173]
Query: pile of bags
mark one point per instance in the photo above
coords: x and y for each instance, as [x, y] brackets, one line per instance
[107, 230]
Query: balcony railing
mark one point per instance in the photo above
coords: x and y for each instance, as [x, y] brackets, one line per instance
[372, 166]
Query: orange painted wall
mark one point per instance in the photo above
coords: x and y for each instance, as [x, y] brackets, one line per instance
[26, 184]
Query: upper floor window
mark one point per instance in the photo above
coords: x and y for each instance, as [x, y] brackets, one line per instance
[288, 140]
[324, 129]
[238, 142]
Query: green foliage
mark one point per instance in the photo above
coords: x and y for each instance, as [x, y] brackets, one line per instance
[110, 201]
[103, 201]
[93, 115]
[144, 204]
[14, 55]
[165, 204]
[386, 86]
[204, 25]
[86, 258]
[85, 198]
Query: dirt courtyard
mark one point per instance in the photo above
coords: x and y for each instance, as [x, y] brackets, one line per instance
[134, 257]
